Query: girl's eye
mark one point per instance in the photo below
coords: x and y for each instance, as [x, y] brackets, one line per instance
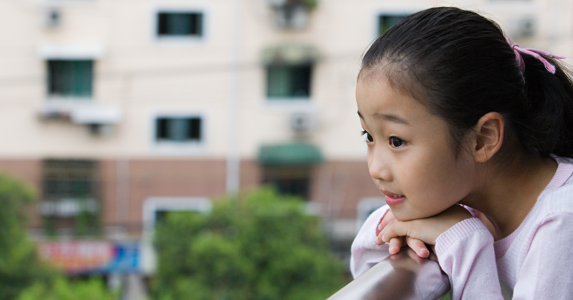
[396, 142]
[369, 138]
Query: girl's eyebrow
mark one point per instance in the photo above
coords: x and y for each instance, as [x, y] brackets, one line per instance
[387, 117]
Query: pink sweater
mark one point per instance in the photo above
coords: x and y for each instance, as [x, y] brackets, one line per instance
[534, 262]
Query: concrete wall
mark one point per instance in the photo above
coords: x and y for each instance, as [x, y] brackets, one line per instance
[144, 76]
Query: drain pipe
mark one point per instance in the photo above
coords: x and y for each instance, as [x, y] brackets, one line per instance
[233, 151]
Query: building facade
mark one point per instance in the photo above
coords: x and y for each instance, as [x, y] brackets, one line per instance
[118, 109]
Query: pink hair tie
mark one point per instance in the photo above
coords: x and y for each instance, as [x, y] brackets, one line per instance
[535, 53]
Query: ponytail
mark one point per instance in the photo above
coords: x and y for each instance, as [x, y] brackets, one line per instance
[548, 125]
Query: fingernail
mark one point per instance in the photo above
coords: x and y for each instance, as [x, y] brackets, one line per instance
[424, 252]
[380, 226]
[384, 238]
[393, 249]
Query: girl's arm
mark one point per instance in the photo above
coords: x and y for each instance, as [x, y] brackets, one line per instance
[545, 272]
[365, 253]
[395, 244]
[466, 254]
[464, 247]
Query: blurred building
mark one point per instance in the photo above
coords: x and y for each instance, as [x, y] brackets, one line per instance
[117, 110]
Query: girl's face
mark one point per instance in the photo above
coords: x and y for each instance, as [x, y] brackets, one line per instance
[409, 153]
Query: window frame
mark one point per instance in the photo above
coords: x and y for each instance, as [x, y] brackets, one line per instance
[177, 147]
[72, 52]
[289, 104]
[154, 204]
[192, 39]
[380, 16]
[48, 81]
[192, 14]
[392, 9]
[287, 175]
[310, 65]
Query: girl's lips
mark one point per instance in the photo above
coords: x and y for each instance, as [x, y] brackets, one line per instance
[393, 199]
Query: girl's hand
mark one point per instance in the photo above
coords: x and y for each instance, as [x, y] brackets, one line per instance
[425, 230]
[396, 243]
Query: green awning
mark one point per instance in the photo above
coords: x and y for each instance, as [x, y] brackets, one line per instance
[289, 154]
[290, 54]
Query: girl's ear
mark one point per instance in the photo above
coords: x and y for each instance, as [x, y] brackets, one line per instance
[489, 136]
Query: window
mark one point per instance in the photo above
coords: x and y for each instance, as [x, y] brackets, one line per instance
[70, 190]
[386, 21]
[156, 208]
[180, 24]
[178, 129]
[294, 181]
[70, 78]
[288, 81]
[70, 179]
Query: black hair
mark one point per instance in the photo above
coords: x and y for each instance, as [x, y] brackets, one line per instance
[460, 66]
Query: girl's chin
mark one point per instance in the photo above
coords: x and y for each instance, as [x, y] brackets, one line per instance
[404, 215]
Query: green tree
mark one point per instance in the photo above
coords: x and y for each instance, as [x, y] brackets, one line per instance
[19, 264]
[62, 289]
[262, 246]
[23, 275]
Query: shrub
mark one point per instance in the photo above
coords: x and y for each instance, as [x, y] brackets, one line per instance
[62, 289]
[19, 263]
[261, 246]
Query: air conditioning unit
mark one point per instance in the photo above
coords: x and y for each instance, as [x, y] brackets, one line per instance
[302, 122]
[291, 16]
[52, 17]
[98, 118]
[522, 27]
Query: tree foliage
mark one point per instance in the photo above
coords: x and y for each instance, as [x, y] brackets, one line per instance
[261, 246]
[62, 289]
[22, 273]
[19, 264]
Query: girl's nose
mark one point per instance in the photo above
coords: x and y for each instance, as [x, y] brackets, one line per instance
[379, 168]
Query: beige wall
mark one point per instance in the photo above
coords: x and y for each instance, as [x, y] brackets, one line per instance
[143, 76]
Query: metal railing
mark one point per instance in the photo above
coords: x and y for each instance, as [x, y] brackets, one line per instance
[398, 277]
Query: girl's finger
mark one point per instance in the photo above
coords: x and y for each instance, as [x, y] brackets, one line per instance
[418, 246]
[395, 245]
[418, 229]
[388, 217]
[379, 240]
[390, 231]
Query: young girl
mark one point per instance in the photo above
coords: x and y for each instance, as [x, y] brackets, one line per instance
[455, 114]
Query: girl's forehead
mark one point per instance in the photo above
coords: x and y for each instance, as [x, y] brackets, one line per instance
[395, 76]
[382, 94]
[377, 100]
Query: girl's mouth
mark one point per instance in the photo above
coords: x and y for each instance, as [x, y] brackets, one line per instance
[393, 199]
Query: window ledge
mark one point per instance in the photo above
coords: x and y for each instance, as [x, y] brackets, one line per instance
[72, 100]
[179, 39]
[177, 148]
[289, 104]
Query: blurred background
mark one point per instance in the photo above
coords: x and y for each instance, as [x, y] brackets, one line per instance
[116, 113]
